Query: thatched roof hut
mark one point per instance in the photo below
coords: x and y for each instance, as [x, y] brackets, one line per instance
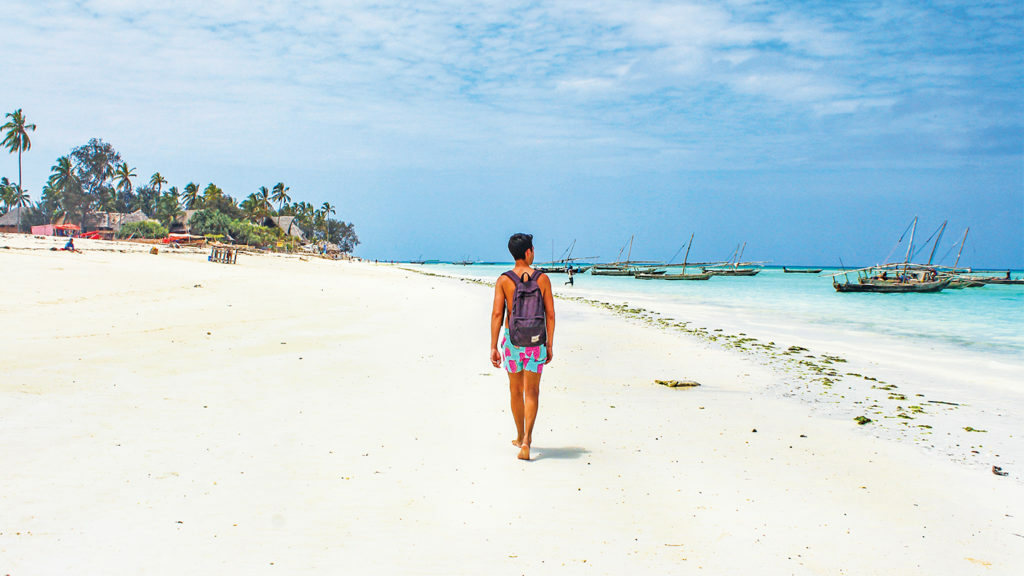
[287, 224]
[112, 221]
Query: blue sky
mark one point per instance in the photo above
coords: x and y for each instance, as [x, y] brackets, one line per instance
[811, 130]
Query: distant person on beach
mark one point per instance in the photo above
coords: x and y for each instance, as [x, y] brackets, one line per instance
[569, 272]
[524, 364]
[70, 245]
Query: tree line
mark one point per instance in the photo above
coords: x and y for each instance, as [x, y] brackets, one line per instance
[94, 177]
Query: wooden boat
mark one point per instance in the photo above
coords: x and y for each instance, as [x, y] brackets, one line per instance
[565, 264]
[735, 271]
[625, 267]
[700, 276]
[891, 287]
[547, 268]
[960, 282]
[663, 275]
[997, 280]
[733, 267]
[801, 270]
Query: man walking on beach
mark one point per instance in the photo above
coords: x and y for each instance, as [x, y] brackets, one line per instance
[523, 363]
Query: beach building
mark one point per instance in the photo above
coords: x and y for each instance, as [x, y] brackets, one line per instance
[180, 224]
[9, 221]
[57, 229]
[106, 224]
[287, 224]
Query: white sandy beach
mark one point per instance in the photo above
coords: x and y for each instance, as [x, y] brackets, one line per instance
[160, 414]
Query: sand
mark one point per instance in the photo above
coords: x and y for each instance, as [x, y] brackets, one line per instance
[160, 414]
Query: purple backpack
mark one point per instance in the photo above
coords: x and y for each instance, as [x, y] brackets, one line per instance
[527, 326]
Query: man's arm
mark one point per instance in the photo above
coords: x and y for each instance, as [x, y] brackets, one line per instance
[549, 313]
[497, 318]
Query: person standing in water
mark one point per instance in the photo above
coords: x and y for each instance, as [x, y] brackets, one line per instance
[524, 364]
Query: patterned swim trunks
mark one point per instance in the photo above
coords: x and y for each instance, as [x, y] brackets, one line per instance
[516, 358]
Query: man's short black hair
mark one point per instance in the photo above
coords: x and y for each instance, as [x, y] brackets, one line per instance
[518, 244]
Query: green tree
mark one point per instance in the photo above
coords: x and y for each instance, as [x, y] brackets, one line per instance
[51, 203]
[211, 194]
[263, 206]
[280, 195]
[343, 234]
[6, 193]
[168, 206]
[63, 191]
[124, 198]
[16, 137]
[156, 181]
[17, 199]
[191, 196]
[326, 210]
[212, 222]
[145, 199]
[93, 165]
[144, 229]
[249, 206]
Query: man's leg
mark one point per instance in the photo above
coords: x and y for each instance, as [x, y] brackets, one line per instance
[531, 400]
[515, 387]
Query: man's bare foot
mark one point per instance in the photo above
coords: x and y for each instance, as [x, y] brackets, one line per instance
[517, 443]
[524, 452]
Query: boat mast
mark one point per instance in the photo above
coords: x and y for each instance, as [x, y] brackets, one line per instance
[687, 256]
[906, 261]
[958, 252]
[630, 253]
[936, 245]
[618, 259]
[740, 256]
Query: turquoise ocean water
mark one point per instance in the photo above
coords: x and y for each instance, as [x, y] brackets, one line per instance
[988, 319]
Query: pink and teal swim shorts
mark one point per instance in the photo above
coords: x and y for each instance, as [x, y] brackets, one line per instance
[517, 358]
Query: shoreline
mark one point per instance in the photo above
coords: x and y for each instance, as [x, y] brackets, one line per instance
[963, 404]
[164, 414]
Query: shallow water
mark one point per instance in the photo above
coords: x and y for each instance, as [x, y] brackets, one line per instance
[987, 319]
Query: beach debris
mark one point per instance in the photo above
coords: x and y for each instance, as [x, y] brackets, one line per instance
[754, 430]
[796, 349]
[998, 471]
[942, 402]
[678, 383]
[154, 250]
[973, 429]
[862, 420]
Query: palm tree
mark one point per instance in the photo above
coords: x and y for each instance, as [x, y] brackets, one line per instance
[18, 198]
[64, 184]
[123, 176]
[280, 195]
[6, 193]
[167, 207]
[263, 206]
[326, 209]
[157, 182]
[62, 174]
[191, 195]
[248, 206]
[211, 194]
[16, 139]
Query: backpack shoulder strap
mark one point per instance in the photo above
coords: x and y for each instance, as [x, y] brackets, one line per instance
[511, 274]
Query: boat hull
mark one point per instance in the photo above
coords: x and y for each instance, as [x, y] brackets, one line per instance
[732, 271]
[891, 287]
[703, 276]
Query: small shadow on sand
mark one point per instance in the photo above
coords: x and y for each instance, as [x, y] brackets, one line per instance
[570, 453]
